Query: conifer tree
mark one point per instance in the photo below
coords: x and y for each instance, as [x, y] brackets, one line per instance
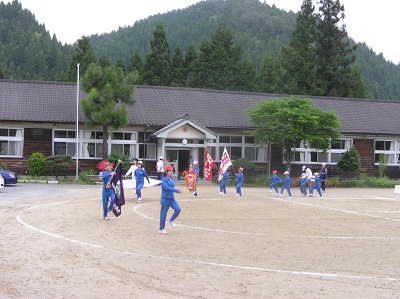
[83, 55]
[178, 74]
[157, 67]
[136, 63]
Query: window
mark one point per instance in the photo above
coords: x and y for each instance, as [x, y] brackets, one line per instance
[147, 151]
[391, 150]
[64, 142]
[303, 153]
[11, 141]
[258, 154]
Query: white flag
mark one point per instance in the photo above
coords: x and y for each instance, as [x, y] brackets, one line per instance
[225, 163]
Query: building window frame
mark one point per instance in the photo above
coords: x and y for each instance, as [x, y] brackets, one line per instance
[11, 142]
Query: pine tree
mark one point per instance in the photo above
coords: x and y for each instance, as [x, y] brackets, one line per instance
[158, 62]
[178, 74]
[136, 62]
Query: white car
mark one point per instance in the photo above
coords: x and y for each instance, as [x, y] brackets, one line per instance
[1, 182]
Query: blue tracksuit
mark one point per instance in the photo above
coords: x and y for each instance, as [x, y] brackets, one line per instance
[168, 200]
[222, 186]
[239, 180]
[197, 170]
[323, 174]
[316, 186]
[140, 175]
[303, 185]
[287, 180]
[107, 193]
[275, 180]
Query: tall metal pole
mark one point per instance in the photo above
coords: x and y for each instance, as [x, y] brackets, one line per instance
[77, 123]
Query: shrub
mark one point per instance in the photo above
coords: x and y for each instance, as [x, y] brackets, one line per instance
[350, 161]
[349, 183]
[83, 175]
[58, 163]
[36, 164]
[246, 164]
[115, 156]
[3, 166]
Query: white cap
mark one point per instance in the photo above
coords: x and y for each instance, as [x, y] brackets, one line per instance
[316, 173]
[195, 163]
[240, 168]
[161, 157]
[323, 164]
[286, 172]
[140, 162]
[304, 167]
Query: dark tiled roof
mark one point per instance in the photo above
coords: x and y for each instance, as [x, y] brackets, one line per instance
[36, 101]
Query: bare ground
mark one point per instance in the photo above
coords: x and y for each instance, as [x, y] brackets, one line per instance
[54, 244]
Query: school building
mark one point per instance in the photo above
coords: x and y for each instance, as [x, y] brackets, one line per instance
[178, 124]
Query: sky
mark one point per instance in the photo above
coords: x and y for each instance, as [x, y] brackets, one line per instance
[374, 23]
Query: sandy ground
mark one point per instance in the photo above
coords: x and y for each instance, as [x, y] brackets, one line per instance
[55, 244]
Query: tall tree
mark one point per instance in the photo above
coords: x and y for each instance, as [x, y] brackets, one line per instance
[158, 62]
[109, 92]
[220, 64]
[178, 74]
[83, 55]
[136, 63]
[289, 121]
[269, 77]
[335, 56]
[299, 57]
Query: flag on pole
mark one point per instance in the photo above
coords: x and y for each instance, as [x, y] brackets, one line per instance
[225, 163]
[118, 188]
[208, 166]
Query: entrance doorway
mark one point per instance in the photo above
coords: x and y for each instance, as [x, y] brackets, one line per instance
[179, 158]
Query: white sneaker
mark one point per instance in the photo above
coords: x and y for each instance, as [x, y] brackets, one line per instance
[310, 195]
[106, 218]
[237, 194]
[223, 194]
[280, 194]
[270, 190]
[320, 197]
[290, 197]
[162, 232]
[172, 224]
[139, 200]
[240, 196]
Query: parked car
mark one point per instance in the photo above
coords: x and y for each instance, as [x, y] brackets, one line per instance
[10, 178]
[1, 182]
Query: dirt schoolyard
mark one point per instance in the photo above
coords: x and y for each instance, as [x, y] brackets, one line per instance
[55, 244]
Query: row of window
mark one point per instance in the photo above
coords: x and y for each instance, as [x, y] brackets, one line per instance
[133, 144]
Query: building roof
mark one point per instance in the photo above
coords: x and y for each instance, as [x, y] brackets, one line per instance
[156, 106]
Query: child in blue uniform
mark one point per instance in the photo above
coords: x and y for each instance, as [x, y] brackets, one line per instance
[140, 175]
[286, 181]
[168, 199]
[222, 186]
[275, 180]
[316, 186]
[239, 180]
[197, 170]
[323, 174]
[108, 192]
[303, 184]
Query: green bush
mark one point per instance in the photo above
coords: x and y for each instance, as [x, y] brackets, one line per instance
[82, 176]
[115, 156]
[58, 163]
[36, 164]
[3, 166]
[384, 182]
[246, 164]
[349, 183]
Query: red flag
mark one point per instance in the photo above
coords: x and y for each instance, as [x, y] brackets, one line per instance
[208, 166]
[225, 163]
[190, 179]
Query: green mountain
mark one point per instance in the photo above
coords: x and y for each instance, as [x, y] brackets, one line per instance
[27, 51]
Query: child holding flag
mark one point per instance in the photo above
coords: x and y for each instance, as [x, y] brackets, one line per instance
[108, 192]
[222, 186]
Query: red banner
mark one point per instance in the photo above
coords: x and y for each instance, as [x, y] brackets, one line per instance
[208, 166]
[190, 179]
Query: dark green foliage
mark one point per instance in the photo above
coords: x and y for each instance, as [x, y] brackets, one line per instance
[84, 56]
[58, 163]
[350, 161]
[291, 120]
[178, 72]
[246, 164]
[28, 52]
[157, 67]
[115, 156]
[36, 164]
[109, 91]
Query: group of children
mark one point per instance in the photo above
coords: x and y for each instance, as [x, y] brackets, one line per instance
[307, 180]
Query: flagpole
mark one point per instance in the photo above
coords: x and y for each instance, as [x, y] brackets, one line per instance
[77, 123]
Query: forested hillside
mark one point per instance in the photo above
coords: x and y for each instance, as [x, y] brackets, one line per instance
[27, 51]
